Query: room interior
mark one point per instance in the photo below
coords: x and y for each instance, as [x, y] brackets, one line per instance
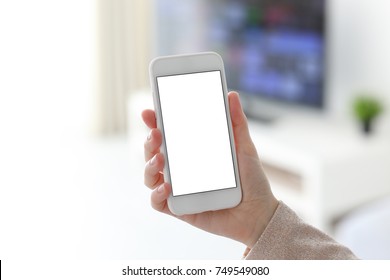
[75, 81]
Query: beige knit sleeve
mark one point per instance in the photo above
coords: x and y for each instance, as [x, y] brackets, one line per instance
[287, 237]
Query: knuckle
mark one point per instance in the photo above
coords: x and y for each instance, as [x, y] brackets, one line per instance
[147, 145]
[151, 178]
[155, 206]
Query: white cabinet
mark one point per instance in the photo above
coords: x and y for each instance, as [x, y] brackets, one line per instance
[323, 169]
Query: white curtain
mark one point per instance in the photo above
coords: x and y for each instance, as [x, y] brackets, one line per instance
[124, 52]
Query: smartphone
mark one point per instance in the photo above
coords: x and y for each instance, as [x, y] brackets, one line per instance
[192, 112]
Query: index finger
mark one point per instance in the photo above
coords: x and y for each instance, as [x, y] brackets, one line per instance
[149, 118]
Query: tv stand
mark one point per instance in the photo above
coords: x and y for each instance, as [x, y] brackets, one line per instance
[261, 118]
[322, 169]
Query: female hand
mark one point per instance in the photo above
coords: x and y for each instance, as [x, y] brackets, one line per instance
[245, 222]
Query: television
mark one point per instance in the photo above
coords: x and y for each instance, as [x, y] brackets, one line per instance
[273, 50]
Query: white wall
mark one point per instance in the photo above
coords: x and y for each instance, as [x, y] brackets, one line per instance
[47, 53]
[359, 51]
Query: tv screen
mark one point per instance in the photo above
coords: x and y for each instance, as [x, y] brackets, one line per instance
[272, 49]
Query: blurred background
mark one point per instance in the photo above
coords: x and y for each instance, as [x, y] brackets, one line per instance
[313, 77]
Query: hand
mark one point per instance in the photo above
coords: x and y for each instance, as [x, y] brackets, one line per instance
[245, 222]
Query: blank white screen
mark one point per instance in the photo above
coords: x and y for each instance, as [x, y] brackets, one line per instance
[196, 132]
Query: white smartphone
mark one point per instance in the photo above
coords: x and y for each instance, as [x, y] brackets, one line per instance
[192, 112]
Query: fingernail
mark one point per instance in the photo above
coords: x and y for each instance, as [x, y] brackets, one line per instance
[153, 160]
[150, 135]
[160, 189]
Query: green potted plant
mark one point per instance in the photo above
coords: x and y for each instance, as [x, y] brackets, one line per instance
[366, 109]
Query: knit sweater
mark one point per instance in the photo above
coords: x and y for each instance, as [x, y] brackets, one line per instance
[287, 237]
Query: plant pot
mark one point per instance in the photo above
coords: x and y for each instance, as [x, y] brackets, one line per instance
[367, 126]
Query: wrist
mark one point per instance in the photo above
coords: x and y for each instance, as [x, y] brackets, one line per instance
[262, 219]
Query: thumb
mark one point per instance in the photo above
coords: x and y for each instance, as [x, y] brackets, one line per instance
[240, 125]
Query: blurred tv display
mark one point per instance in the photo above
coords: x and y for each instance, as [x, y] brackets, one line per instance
[274, 49]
